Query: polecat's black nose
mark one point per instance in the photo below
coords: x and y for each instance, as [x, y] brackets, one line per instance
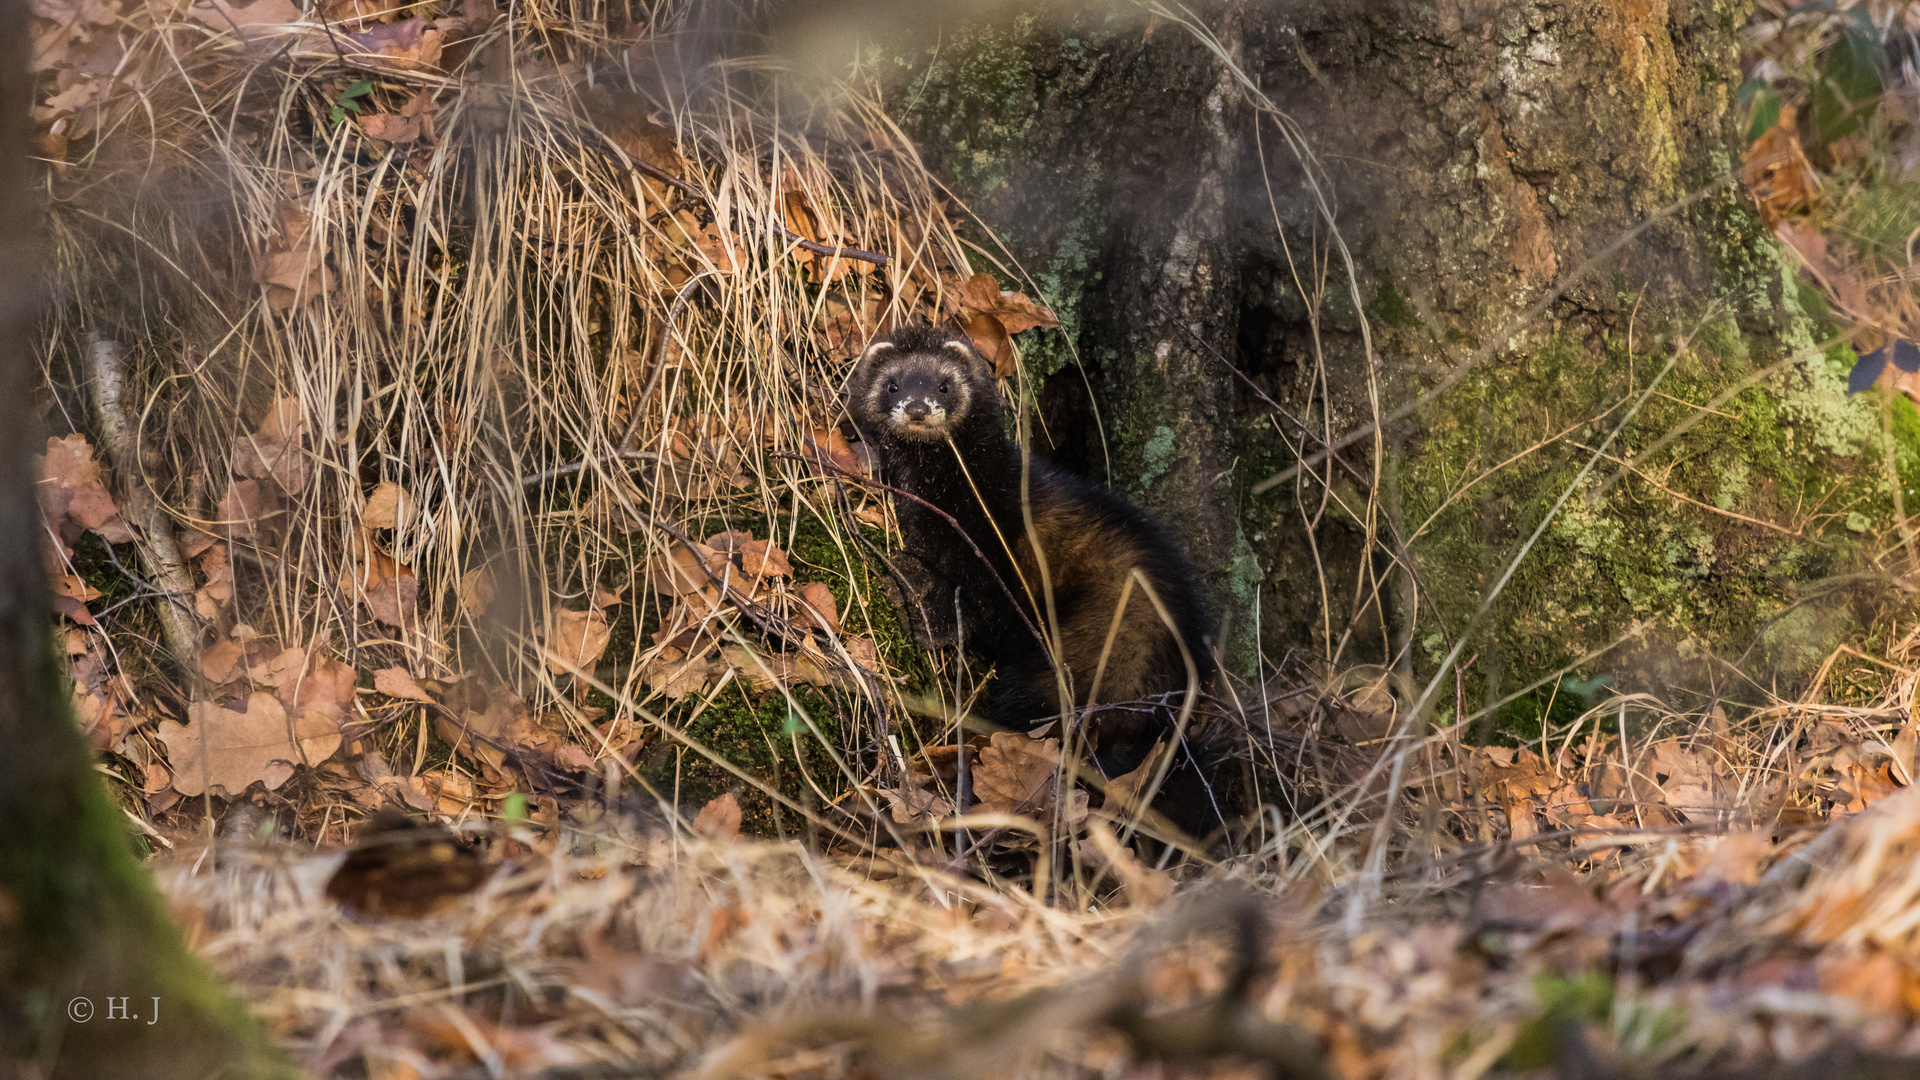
[918, 410]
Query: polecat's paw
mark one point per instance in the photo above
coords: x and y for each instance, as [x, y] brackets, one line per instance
[924, 605]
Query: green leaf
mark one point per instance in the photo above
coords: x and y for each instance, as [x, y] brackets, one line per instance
[795, 724]
[1765, 115]
[515, 808]
[1849, 83]
[347, 101]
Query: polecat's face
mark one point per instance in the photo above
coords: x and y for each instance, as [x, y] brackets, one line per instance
[920, 397]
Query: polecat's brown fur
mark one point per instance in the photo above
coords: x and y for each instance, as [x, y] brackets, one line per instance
[930, 405]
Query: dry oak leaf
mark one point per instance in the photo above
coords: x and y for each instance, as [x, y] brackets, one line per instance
[223, 661]
[398, 682]
[274, 451]
[72, 21]
[408, 45]
[908, 804]
[83, 94]
[452, 793]
[224, 752]
[476, 591]
[991, 317]
[413, 122]
[1777, 172]
[719, 819]
[575, 640]
[477, 734]
[387, 507]
[756, 558]
[818, 606]
[674, 675]
[1848, 292]
[1145, 886]
[294, 267]
[722, 249]
[767, 671]
[389, 589]
[1562, 903]
[73, 496]
[864, 651]
[682, 568]
[256, 23]
[686, 625]
[245, 504]
[100, 699]
[1015, 775]
[70, 596]
[102, 718]
[360, 13]
[821, 227]
[622, 118]
[1687, 779]
[210, 600]
[306, 683]
[392, 128]
[193, 542]
[845, 330]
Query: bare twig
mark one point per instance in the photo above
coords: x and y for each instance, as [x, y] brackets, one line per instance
[165, 565]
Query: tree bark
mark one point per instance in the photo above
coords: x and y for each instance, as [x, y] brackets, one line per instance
[1478, 160]
[94, 980]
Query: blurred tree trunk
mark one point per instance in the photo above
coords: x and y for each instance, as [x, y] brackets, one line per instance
[1472, 154]
[79, 917]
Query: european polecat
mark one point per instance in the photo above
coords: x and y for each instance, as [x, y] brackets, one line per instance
[928, 401]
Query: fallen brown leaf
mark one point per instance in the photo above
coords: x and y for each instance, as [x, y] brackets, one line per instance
[1015, 774]
[387, 507]
[719, 819]
[294, 266]
[274, 451]
[224, 751]
[818, 606]
[398, 682]
[575, 640]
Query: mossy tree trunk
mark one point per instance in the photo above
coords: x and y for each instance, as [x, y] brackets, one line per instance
[86, 949]
[1474, 156]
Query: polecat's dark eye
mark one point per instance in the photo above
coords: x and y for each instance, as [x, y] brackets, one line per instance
[893, 387]
[943, 386]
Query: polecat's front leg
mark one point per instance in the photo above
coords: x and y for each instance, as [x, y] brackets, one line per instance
[925, 600]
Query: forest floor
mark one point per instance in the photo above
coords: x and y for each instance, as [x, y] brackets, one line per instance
[1669, 936]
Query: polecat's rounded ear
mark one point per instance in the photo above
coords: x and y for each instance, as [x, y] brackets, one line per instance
[867, 355]
[962, 344]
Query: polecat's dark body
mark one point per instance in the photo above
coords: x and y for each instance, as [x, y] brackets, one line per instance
[920, 387]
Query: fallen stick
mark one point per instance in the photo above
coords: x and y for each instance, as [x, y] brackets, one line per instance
[153, 534]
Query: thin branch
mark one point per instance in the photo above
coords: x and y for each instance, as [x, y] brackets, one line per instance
[154, 538]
